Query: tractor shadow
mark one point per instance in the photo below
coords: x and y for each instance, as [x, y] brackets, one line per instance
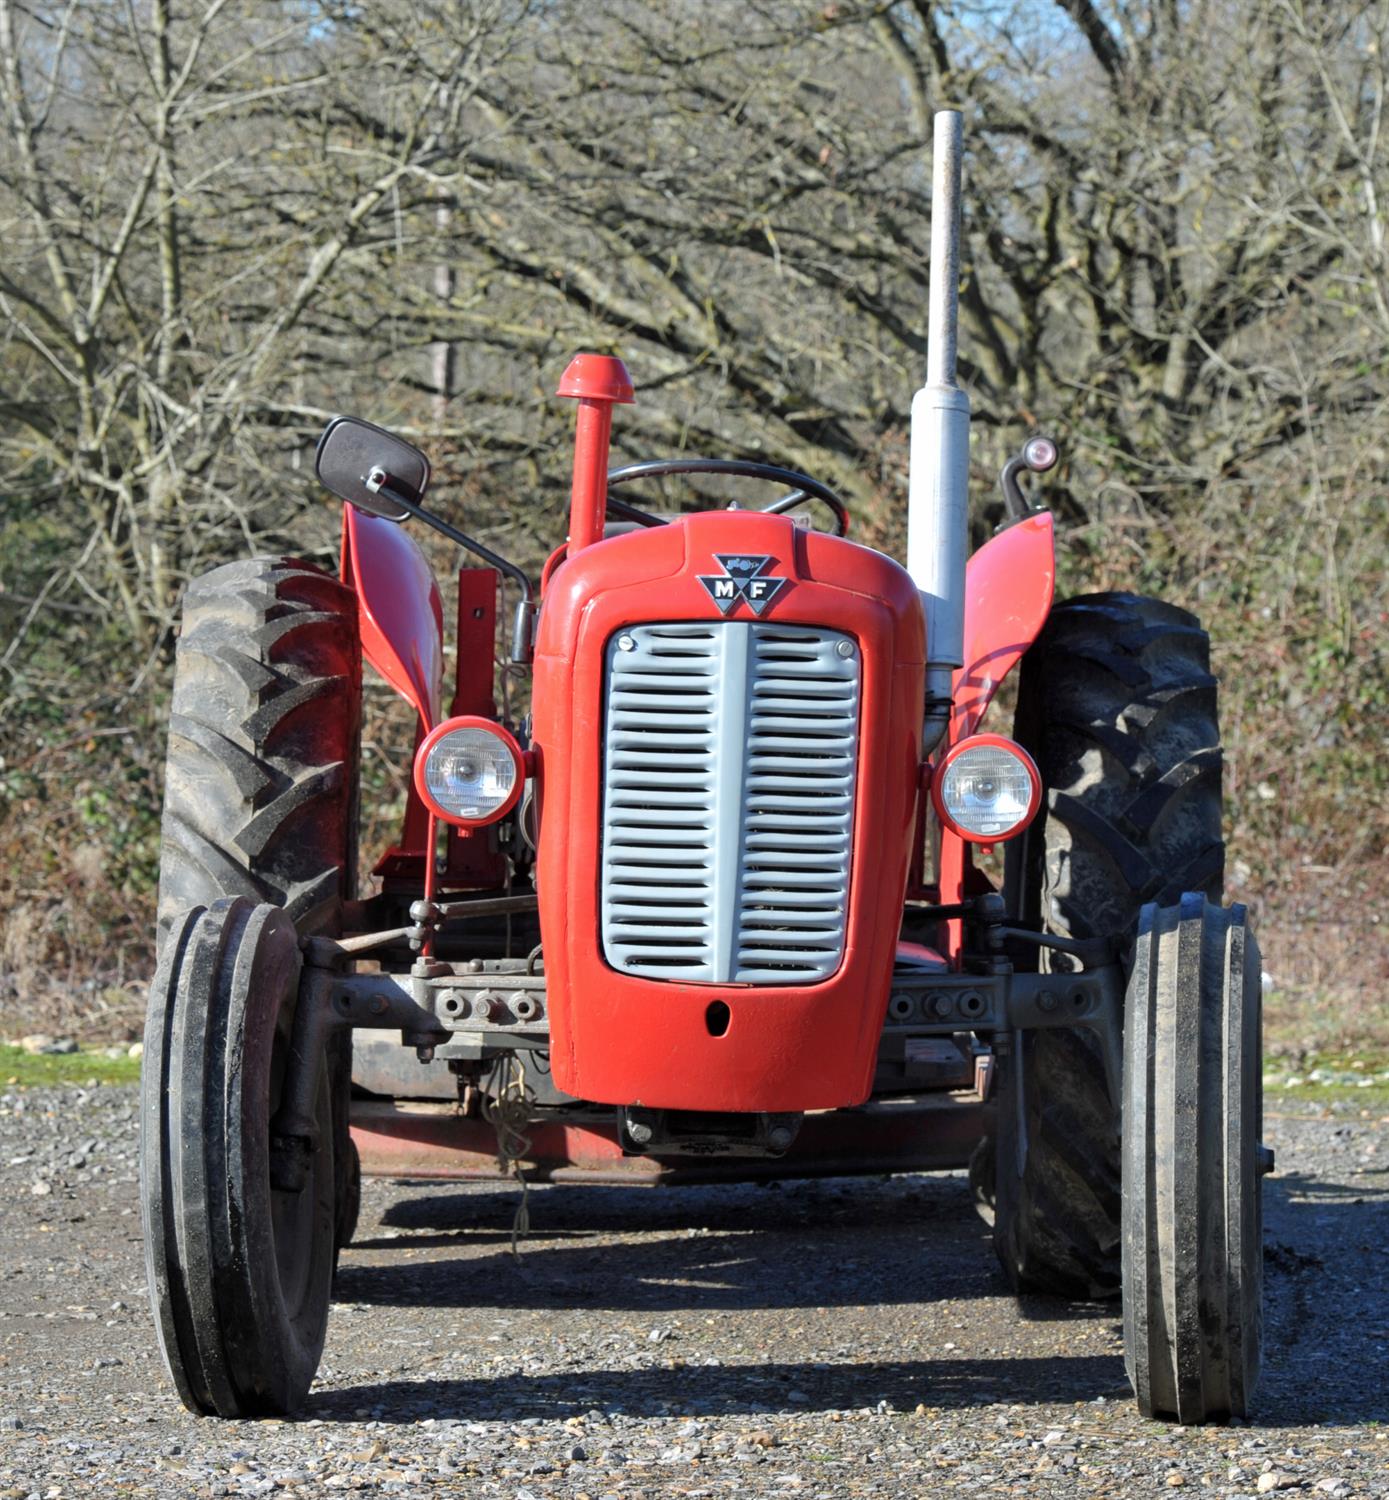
[800, 1244]
[907, 1245]
[900, 1247]
[1326, 1299]
[774, 1387]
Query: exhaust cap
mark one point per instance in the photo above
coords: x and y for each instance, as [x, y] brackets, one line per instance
[938, 488]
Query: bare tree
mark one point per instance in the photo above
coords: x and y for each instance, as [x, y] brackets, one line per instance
[224, 222]
[182, 199]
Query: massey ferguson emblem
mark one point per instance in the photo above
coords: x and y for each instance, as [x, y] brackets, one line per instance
[743, 578]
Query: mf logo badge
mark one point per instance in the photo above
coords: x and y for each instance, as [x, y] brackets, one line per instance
[743, 578]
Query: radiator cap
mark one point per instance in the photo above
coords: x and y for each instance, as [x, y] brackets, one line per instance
[597, 377]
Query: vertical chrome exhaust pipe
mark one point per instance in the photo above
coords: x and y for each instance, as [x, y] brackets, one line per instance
[938, 480]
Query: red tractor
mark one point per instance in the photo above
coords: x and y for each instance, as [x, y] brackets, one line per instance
[711, 909]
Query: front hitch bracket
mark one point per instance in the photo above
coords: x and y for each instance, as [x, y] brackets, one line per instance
[474, 1011]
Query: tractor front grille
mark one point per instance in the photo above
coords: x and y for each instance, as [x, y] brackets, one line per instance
[730, 756]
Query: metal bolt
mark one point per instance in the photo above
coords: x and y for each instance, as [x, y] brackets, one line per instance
[639, 1131]
[1046, 1001]
[942, 1005]
[482, 1007]
[425, 1054]
[779, 1137]
[379, 1005]
[845, 648]
[626, 643]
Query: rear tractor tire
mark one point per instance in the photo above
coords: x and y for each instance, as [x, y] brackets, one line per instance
[1117, 705]
[238, 1259]
[260, 791]
[1193, 1164]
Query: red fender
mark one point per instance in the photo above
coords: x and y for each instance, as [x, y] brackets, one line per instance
[1008, 587]
[400, 611]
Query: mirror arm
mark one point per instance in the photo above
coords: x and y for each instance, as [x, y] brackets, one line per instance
[523, 627]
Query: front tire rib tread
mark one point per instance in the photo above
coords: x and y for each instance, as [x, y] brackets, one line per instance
[233, 1342]
[158, 1200]
[1192, 1226]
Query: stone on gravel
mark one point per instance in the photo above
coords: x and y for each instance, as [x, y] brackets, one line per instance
[464, 1374]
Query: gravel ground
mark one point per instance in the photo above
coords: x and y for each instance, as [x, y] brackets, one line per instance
[826, 1339]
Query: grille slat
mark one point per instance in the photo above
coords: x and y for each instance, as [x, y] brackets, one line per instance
[730, 766]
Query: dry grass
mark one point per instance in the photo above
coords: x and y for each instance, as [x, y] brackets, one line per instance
[76, 895]
[1328, 962]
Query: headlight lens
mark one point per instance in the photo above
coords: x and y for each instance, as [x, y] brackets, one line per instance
[469, 771]
[987, 789]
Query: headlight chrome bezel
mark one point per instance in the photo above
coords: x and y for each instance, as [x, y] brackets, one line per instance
[953, 817]
[435, 744]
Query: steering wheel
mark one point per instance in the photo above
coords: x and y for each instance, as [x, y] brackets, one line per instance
[802, 486]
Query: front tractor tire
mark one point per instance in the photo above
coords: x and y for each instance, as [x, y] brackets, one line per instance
[260, 785]
[1193, 1164]
[238, 1253]
[1117, 705]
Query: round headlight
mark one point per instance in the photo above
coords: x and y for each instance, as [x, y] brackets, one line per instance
[986, 789]
[469, 771]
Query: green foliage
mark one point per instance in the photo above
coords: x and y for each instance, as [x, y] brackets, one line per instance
[22, 1069]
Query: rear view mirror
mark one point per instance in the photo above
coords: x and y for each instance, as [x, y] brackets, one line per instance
[350, 449]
